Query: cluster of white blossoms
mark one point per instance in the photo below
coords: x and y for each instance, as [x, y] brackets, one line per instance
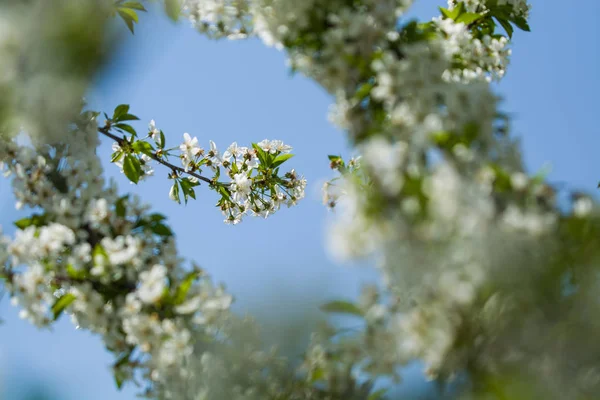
[220, 18]
[474, 58]
[105, 260]
[249, 170]
[256, 186]
[518, 8]
[445, 202]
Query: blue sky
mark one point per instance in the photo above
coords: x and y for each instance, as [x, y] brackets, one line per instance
[242, 91]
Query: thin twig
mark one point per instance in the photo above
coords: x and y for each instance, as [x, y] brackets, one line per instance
[105, 130]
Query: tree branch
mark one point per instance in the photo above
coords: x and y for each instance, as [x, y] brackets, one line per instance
[105, 130]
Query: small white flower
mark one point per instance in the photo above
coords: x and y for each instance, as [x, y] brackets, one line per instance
[190, 306]
[232, 151]
[241, 187]
[190, 147]
[583, 206]
[519, 180]
[153, 131]
[152, 284]
[280, 146]
[267, 146]
[213, 155]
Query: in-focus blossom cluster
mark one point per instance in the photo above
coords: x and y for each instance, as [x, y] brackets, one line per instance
[252, 182]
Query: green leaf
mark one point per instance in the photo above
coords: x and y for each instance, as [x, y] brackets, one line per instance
[174, 192]
[121, 109]
[61, 304]
[128, 13]
[317, 374]
[119, 381]
[126, 128]
[261, 154]
[280, 159]
[225, 193]
[35, 220]
[129, 16]
[143, 147]
[507, 27]
[455, 12]
[132, 168]
[173, 9]
[76, 274]
[117, 155]
[185, 286]
[187, 187]
[468, 18]
[162, 140]
[363, 91]
[446, 13]
[127, 117]
[99, 252]
[521, 23]
[156, 217]
[342, 307]
[135, 5]
[120, 206]
[377, 395]
[160, 229]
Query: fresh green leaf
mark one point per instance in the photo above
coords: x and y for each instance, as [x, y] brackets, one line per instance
[143, 147]
[185, 286]
[128, 13]
[119, 381]
[58, 180]
[377, 395]
[61, 304]
[507, 27]
[187, 187]
[120, 206]
[280, 159]
[363, 91]
[121, 109]
[35, 220]
[317, 374]
[132, 168]
[99, 252]
[173, 9]
[261, 154]
[129, 16]
[521, 23]
[76, 274]
[225, 193]
[446, 13]
[126, 128]
[468, 18]
[127, 117]
[342, 307]
[455, 12]
[160, 229]
[155, 217]
[117, 155]
[124, 359]
[135, 5]
[174, 192]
